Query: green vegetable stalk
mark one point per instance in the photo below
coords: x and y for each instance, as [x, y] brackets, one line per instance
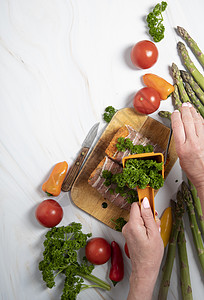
[197, 205]
[190, 65]
[61, 257]
[165, 114]
[197, 90]
[109, 113]
[192, 44]
[194, 100]
[184, 266]
[193, 222]
[154, 21]
[176, 98]
[178, 211]
[179, 82]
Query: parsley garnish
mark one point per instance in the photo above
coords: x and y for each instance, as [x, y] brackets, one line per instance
[137, 172]
[61, 257]
[119, 223]
[109, 113]
[124, 144]
[119, 186]
[154, 21]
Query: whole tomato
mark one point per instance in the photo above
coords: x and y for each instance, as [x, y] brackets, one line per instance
[146, 100]
[49, 213]
[144, 54]
[98, 251]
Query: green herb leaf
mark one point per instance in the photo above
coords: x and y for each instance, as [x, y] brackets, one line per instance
[61, 257]
[119, 223]
[109, 113]
[154, 21]
[124, 144]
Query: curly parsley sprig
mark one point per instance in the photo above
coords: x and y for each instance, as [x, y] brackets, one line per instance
[154, 20]
[109, 113]
[61, 257]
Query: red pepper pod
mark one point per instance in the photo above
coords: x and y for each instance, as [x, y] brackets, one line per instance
[117, 266]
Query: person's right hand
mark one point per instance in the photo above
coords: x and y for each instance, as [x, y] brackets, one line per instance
[188, 130]
[146, 250]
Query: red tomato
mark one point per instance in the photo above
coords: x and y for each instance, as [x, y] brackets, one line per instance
[98, 251]
[49, 213]
[144, 54]
[126, 250]
[146, 100]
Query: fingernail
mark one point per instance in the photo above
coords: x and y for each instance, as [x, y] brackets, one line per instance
[176, 110]
[145, 203]
[156, 213]
[185, 104]
[159, 229]
[189, 104]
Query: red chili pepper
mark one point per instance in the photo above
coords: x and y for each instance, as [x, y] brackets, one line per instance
[117, 266]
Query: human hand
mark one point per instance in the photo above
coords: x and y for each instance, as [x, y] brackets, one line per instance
[145, 248]
[188, 129]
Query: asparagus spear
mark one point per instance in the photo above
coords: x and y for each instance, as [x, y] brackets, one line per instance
[198, 91]
[179, 82]
[192, 44]
[165, 114]
[190, 65]
[184, 267]
[178, 210]
[194, 226]
[176, 98]
[197, 206]
[194, 99]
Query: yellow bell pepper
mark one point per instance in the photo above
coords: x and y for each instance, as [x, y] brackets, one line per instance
[166, 225]
[163, 87]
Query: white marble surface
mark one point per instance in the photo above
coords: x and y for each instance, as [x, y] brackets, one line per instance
[61, 63]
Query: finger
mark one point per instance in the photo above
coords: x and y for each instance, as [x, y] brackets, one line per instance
[178, 129]
[135, 222]
[158, 223]
[147, 216]
[198, 122]
[134, 211]
[135, 215]
[187, 120]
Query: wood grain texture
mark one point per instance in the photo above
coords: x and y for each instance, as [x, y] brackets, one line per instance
[74, 170]
[86, 197]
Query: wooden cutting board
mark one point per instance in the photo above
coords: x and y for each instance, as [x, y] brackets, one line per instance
[85, 196]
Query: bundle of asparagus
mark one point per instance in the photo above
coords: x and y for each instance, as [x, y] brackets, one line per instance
[178, 238]
[193, 222]
[189, 85]
[178, 211]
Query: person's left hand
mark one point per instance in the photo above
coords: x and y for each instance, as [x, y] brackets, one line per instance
[145, 247]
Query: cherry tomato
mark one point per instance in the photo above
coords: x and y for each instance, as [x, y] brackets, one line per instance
[146, 100]
[144, 54]
[126, 250]
[49, 213]
[98, 251]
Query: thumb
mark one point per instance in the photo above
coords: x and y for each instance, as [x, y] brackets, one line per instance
[147, 216]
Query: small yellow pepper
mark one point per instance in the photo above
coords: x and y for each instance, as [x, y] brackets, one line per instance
[163, 87]
[166, 225]
[54, 183]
